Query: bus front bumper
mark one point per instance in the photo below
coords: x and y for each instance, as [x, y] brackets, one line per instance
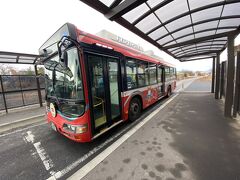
[73, 131]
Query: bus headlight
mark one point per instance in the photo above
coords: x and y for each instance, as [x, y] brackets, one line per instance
[76, 129]
[81, 129]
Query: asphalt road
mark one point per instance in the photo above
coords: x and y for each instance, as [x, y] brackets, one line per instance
[37, 152]
[200, 85]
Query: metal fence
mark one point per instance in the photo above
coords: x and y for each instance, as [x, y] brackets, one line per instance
[21, 90]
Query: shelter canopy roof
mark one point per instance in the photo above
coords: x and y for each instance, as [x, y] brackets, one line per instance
[185, 29]
[18, 58]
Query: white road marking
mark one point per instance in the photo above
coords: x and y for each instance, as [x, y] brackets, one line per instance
[30, 137]
[43, 155]
[47, 162]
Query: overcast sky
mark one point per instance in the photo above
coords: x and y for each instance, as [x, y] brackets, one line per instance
[27, 24]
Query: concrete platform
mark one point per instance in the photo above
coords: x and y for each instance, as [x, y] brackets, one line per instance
[23, 113]
[188, 139]
[20, 117]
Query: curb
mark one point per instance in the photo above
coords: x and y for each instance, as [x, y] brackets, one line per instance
[22, 122]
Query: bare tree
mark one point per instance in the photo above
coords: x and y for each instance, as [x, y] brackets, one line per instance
[29, 71]
[4, 69]
[7, 70]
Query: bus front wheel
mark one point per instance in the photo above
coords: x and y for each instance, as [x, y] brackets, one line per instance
[135, 109]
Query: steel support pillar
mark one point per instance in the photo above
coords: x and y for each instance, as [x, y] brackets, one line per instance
[19, 79]
[3, 94]
[38, 87]
[237, 87]
[230, 77]
[213, 75]
[222, 89]
[217, 87]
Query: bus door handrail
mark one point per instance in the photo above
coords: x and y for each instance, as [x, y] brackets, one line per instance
[101, 103]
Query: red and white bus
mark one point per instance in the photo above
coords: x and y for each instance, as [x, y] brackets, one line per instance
[93, 84]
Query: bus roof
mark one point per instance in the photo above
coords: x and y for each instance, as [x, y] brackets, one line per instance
[69, 29]
[127, 51]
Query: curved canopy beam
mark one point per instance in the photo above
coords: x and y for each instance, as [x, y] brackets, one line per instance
[217, 42]
[194, 59]
[198, 50]
[198, 54]
[123, 8]
[198, 46]
[197, 32]
[115, 3]
[198, 40]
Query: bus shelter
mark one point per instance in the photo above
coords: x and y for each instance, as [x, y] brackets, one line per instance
[187, 30]
[18, 90]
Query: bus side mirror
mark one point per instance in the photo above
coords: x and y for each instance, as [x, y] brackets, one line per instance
[64, 58]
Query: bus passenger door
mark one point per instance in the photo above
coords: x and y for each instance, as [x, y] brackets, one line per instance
[113, 76]
[104, 78]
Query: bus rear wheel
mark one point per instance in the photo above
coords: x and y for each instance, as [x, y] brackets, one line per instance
[135, 109]
[169, 92]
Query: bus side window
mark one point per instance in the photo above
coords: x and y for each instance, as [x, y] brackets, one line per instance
[131, 70]
[152, 73]
[171, 72]
[167, 74]
[142, 73]
[160, 76]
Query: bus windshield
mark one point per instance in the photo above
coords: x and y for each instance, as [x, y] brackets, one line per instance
[65, 83]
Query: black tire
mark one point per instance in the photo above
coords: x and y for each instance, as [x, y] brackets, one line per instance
[169, 92]
[135, 109]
